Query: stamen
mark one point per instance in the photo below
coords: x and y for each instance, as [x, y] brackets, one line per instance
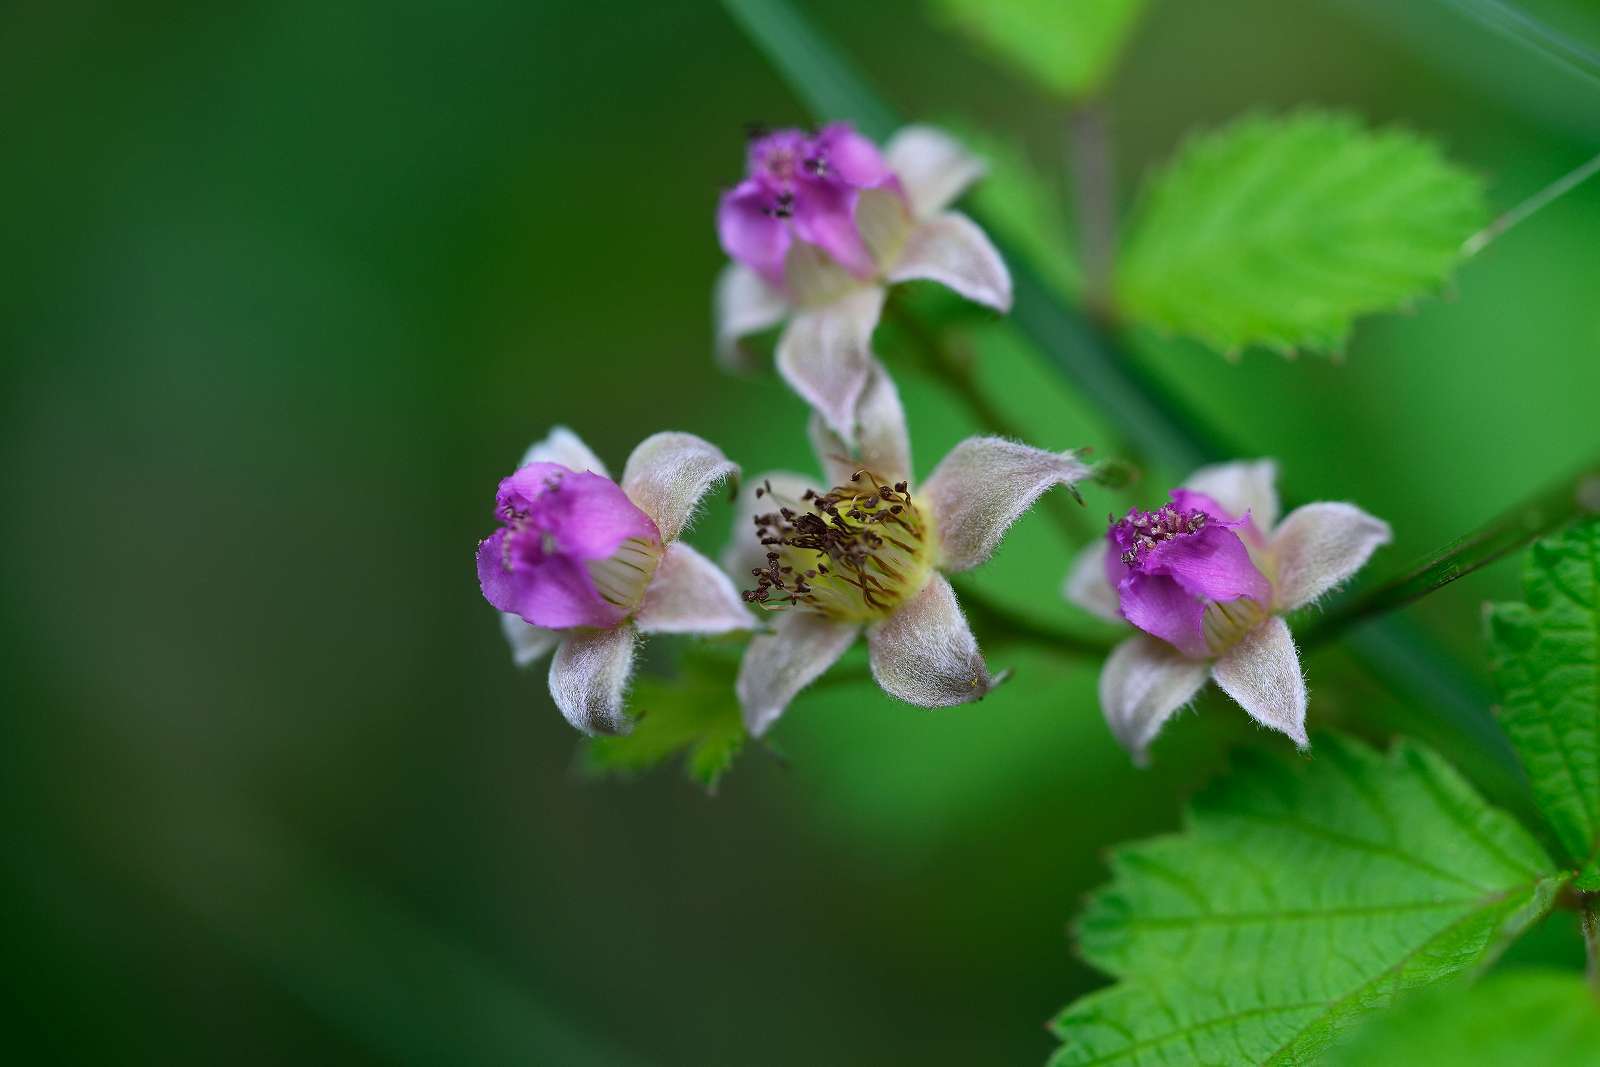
[856, 553]
[1144, 530]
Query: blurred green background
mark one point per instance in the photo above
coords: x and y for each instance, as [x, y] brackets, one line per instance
[290, 285]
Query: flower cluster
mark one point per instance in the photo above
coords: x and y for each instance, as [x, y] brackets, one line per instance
[818, 229]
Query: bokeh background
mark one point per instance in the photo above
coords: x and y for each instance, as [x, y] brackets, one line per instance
[288, 286]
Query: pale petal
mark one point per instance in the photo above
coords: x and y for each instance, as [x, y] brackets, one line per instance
[1318, 546]
[883, 443]
[925, 653]
[950, 249]
[1142, 683]
[778, 665]
[528, 642]
[743, 304]
[1247, 485]
[983, 486]
[744, 551]
[813, 279]
[885, 223]
[589, 676]
[668, 474]
[690, 595]
[1262, 672]
[1086, 584]
[825, 355]
[932, 166]
[566, 448]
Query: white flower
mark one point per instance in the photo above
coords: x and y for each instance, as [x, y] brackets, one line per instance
[870, 555]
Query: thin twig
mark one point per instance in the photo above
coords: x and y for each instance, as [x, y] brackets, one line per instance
[1499, 537]
[1555, 190]
[956, 375]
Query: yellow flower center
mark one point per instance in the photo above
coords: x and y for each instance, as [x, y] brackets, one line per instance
[854, 553]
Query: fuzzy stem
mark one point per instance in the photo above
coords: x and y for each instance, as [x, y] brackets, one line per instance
[955, 374]
[1554, 191]
[1499, 537]
[1000, 625]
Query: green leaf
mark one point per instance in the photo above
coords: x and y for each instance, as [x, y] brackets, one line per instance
[1280, 231]
[1066, 47]
[1518, 1018]
[1023, 206]
[695, 714]
[1298, 898]
[1547, 664]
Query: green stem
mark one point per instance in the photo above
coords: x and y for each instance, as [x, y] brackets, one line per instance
[1554, 191]
[1001, 625]
[955, 374]
[1501, 536]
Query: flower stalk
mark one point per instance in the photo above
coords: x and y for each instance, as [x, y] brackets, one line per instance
[1571, 498]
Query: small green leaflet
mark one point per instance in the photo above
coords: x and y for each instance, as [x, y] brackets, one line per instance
[1066, 47]
[694, 713]
[1547, 665]
[1301, 895]
[1280, 231]
[1518, 1018]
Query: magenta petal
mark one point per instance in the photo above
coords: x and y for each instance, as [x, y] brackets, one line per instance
[850, 157]
[555, 592]
[555, 522]
[750, 233]
[1212, 564]
[1161, 607]
[1188, 499]
[577, 514]
[825, 215]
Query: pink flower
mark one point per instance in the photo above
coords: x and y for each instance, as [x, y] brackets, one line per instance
[818, 229]
[1207, 578]
[869, 556]
[583, 565]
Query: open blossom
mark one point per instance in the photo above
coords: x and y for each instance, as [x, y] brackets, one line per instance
[869, 554]
[1207, 578]
[583, 565]
[818, 229]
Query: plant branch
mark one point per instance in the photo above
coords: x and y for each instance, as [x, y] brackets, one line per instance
[1554, 191]
[955, 374]
[1499, 537]
[1002, 625]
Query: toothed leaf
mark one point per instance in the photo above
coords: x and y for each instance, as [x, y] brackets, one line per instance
[1301, 895]
[1280, 231]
